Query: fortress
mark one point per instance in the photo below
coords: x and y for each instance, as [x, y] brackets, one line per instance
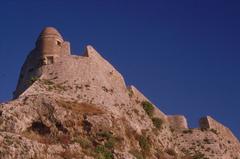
[51, 48]
[62, 92]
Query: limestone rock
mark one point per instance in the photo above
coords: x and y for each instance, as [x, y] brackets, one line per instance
[68, 106]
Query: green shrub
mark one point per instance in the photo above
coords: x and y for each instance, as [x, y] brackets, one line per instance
[103, 152]
[110, 143]
[47, 82]
[144, 144]
[84, 142]
[148, 107]
[157, 122]
[33, 79]
[105, 134]
[100, 149]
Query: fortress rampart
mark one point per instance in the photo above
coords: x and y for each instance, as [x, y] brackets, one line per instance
[209, 123]
[177, 121]
[51, 49]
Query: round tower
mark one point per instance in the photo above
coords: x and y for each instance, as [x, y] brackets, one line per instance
[50, 45]
[49, 41]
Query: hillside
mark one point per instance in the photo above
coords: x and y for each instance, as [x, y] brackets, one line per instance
[67, 106]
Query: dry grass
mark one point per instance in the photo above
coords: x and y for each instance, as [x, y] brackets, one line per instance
[67, 154]
[37, 137]
[84, 108]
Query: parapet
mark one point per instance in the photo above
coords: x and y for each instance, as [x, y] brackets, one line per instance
[209, 123]
[177, 121]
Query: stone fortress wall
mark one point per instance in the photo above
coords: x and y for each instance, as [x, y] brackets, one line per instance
[180, 122]
[209, 123]
[177, 121]
[51, 48]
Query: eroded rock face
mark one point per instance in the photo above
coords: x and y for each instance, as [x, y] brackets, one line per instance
[69, 106]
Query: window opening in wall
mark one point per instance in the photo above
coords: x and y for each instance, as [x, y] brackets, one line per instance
[49, 60]
[59, 43]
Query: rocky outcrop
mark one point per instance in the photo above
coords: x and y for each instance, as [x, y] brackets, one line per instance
[80, 107]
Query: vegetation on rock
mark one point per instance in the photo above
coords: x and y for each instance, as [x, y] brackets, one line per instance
[148, 107]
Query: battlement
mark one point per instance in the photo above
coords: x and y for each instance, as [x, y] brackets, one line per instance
[209, 123]
[177, 121]
[205, 123]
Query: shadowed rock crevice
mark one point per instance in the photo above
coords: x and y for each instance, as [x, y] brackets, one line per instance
[40, 128]
[60, 127]
[87, 126]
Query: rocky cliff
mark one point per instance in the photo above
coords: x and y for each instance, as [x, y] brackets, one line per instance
[67, 106]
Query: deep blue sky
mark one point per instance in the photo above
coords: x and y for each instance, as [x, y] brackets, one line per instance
[183, 55]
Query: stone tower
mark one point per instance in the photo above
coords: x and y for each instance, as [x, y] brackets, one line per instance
[51, 45]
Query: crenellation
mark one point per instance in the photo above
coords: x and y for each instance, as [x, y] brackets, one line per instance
[209, 123]
[66, 48]
[177, 121]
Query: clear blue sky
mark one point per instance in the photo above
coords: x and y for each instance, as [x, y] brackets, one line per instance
[183, 55]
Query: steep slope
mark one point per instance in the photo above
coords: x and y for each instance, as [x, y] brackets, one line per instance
[68, 106]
